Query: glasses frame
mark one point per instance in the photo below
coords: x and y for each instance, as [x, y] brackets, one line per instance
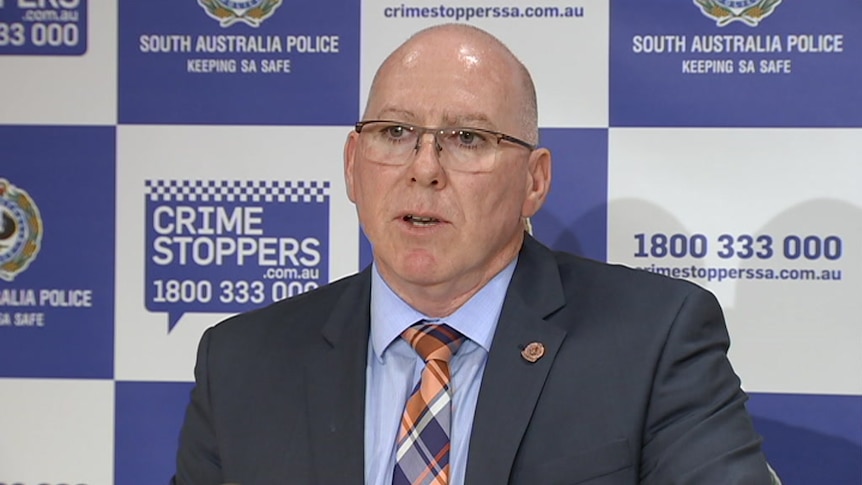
[421, 130]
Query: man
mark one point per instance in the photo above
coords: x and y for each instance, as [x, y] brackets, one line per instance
[564, 370]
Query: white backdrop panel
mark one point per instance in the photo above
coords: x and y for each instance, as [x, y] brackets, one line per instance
[740, 189]
[144, 348]
[80, 90]
[567, 56]
[57, 431]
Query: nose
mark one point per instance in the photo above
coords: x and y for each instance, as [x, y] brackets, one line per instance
[420, 141]
[425, 169]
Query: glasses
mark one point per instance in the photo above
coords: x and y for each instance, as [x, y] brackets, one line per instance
[464, 149]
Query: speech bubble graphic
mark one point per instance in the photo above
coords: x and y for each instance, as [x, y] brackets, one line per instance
[228, 246]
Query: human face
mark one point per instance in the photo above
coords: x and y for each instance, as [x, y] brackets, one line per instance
[432, 228]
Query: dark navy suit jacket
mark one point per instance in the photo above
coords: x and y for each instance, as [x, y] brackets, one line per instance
[634, 387]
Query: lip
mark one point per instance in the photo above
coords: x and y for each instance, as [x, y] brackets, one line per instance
[432, 215]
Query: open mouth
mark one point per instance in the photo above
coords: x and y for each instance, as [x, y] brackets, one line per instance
[420, 221]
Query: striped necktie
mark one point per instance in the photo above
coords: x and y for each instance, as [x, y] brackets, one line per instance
[422, 447]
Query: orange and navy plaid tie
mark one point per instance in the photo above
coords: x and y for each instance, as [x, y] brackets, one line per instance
[422, 447]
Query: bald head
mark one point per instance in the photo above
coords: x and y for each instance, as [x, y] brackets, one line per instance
[461, 50]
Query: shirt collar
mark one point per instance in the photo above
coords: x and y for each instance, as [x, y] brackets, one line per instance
[476, 319]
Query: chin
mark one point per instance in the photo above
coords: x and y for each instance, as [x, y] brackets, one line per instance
[418, 266]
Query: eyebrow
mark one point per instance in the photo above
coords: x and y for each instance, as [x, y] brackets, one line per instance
[477, 120]
[398, 113]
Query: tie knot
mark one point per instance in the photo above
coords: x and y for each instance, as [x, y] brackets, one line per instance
[433, 341]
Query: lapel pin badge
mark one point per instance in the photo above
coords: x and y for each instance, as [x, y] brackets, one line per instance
[533, 351]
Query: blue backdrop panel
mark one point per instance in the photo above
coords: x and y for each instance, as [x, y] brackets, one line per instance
[68, 173]
[43, 28]
[575, 217]
[811, 438]
[169, 70]
[656, 79]
[148, 420]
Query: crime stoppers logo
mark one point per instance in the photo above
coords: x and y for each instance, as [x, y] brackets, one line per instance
[20, 230]
[227, 246]
[749, 12]
[250, 12]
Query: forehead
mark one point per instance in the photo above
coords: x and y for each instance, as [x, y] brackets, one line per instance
[448, 81]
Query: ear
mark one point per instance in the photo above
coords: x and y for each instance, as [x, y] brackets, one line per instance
[538, 181]
[349, 160]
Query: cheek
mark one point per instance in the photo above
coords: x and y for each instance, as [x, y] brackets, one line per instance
[495, 198]
[373, 186]
[365, 178]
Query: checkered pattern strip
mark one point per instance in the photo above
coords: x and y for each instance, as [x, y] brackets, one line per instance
[236, 191]
[422, 447]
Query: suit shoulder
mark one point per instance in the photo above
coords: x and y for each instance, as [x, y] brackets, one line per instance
[641, 306]
[622, 280]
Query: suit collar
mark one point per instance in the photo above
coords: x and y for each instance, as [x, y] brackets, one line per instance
[335, 380]
[511, 384]
[344, 316]
[536, 284]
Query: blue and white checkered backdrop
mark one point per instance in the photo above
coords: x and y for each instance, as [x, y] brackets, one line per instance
[167, 163]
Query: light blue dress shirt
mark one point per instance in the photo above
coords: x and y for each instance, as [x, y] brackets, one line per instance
[394, 368]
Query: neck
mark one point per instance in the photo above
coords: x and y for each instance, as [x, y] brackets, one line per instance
[441, 299]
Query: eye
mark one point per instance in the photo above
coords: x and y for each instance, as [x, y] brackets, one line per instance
[467, 137]
[395, 131]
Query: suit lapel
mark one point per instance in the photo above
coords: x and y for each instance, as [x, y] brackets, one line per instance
[511, 385]
[335, 379]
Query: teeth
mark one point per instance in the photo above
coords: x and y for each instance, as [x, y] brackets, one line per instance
[420, 220]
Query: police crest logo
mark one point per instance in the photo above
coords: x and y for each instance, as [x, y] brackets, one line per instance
[250, 12]
[749, 12]
[20, 230]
